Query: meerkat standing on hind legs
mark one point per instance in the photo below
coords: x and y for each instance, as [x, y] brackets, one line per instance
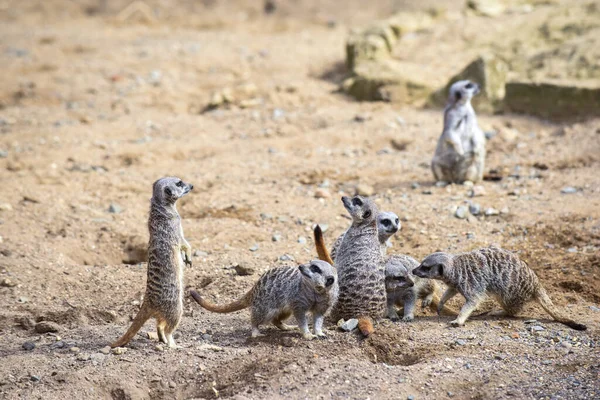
[168, 251]
[283, 291]
[359, 266]
[492, 271]
[388, 224]
[460, 152]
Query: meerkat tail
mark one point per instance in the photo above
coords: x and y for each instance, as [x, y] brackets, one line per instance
[435, 301]
[320, 245]
[365, 326]
[237, 305]
[140, 319]
[547, 305]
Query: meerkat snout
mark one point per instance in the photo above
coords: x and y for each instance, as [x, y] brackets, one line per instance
[320, 279]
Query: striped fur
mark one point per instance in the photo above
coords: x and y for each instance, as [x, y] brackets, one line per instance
[284, 291]
[360, 267]
[489, 271]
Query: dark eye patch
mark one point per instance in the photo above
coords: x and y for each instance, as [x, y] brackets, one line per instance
[329, 281]
[469, 85]
[397, 221]
[315, 269]
[357, 202]
[458, 95]
[367, 214]
[399, 278]
[386, 222]
[179, 184]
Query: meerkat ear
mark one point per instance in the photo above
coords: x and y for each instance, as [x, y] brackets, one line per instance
[168, 191]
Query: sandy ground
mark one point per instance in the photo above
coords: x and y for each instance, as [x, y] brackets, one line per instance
[93, 110]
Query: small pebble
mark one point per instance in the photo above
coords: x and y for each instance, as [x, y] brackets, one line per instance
[568, 190]
[254, 248]
[594, 308]
[536, 328]
[115, 208]
[460, 342]
[242, 270]
[75, 350]
[348, 326]
[34, 378]
[119, 350]
[302, 240]
[411, 397]
[286, 257]
[322, 194]
[276, 238]
[491, 211]
[83, 357]
[201, 254]
[324, 227]
[28, 346]
[364, 190]
[474, 209]
[477, 191]
[461, 212]
[415, 185]
[105, 350]
[172, 385]
[46, 326]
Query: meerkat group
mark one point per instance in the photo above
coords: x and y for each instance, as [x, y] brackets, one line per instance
[356, 279]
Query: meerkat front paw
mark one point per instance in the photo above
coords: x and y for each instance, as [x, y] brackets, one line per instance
[426, 302]
[393, 316]
[308, 336]
[321, 335]
[456, 323]
[408, 318]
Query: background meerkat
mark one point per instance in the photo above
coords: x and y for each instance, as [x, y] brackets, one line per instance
[283, 291]
[360, 267]
[403, 288]
[489, 271]
[460, 152]
[167, 252]
[388, 224]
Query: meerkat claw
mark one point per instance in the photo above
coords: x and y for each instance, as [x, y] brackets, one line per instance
[308, 336]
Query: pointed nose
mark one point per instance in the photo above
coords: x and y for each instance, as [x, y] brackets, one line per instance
[191, 186]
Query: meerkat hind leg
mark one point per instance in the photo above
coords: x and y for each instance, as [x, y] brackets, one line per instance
[160, 331]
[278, 322]
[465, 312]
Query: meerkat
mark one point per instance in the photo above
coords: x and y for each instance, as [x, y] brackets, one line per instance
[403, 288]
[489, 271]
[168, 251]
[360, 267]
[460, 152]
[388, 224]
[283, 291]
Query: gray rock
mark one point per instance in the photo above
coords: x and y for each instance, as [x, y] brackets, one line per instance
[474, 209]
[460, 342]
[115, 208]
[568, 190]
[286, 257]
[201, 254]
[34, 378]
[324, 227]
[28, 346]
[266, 216]
[276, 237]
[415, 185]
[254, 247]
[461, 212]
[594, 308]
[243, 270]
[411, 397]
[348, 326]
[537, 328]
[46, 326]
[302, 240]
[530, 321]
[491, 211]
[83, 357]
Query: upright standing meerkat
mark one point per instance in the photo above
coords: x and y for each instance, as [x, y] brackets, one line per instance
[167, 252]
[360, 267]
[388, 224]
[460, 152]
[492, 271]
[403, 289]
[283, 291]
